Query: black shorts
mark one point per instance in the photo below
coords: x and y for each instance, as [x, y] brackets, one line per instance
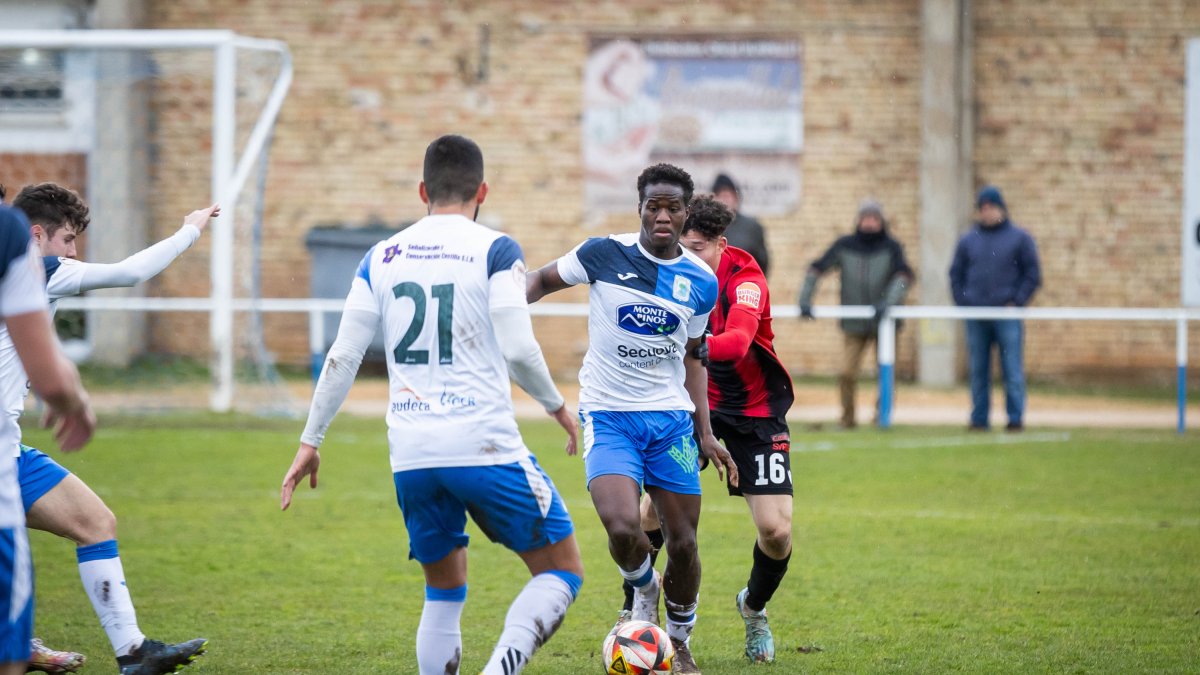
[761, 449]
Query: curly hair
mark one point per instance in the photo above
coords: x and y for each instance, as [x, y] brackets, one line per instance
[53, 206]
[708, 217]
[668, 174]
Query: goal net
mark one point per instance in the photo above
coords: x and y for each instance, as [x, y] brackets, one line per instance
[148, 126]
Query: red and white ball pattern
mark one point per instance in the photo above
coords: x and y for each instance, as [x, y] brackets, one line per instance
[638, 648]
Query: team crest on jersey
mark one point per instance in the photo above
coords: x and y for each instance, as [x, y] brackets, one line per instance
[681, 289]
[748, 293]
[640, 318]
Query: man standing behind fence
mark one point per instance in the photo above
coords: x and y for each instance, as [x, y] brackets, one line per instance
[995, 265]
[874, 272]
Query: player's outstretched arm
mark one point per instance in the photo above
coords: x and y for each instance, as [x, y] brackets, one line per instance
[696, 383]
[543, 281]
[54, 378]
[137, 268]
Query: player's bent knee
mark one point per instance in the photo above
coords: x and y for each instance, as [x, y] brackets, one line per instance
[775, 541]
[96, 526]
[624, 536]
[681, 547]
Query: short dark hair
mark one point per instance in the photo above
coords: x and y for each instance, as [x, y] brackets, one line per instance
[708, 217]
[2, 192]
[665, 173]
[453, 170]
[53, 206]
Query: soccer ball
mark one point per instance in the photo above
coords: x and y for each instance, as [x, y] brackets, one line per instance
[638, 648]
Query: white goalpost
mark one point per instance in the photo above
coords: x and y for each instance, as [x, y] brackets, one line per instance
[231, 166]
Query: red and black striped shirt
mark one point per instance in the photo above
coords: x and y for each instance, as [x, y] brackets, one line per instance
[745, 376]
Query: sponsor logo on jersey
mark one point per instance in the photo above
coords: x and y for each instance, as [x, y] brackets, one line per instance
[414, 404]
[640, 318]
[454, 400]
[627, 352]
[626, 276]
[411, 405]
[519, 272]
[391, 252]
[748, 293]
[681, 289]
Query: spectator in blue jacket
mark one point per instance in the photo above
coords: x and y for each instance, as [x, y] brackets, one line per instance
[995, 265]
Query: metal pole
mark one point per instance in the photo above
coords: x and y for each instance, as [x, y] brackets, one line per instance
[1181, 355]
[221, 261]
[887, 360]
[316, 342]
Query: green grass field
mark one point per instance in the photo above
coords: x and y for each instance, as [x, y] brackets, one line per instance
[917, 550]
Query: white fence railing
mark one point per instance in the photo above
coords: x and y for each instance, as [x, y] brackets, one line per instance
[316, 308]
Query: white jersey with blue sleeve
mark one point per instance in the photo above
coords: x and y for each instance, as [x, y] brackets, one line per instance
[432, 285]
[642, 312]
[22, 290]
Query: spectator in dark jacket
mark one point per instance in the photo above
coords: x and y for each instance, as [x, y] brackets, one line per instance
[995, 265]
[874, 272]
[745, 232]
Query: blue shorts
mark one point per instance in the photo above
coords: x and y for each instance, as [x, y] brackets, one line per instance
[16, 595]
[655, 449]
[37, 474]
[514, 504]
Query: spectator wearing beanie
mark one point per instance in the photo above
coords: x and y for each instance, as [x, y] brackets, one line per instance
[745, 232]
[874, 272]
[995, 265]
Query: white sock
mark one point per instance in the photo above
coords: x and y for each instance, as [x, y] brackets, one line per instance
[642, 576]
[681, 619]
[104, 582]
[439, 637]
[532, 618]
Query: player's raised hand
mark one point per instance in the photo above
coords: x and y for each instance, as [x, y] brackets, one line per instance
[307, 461]
[570, 424]
[200, 217]
[716, 453]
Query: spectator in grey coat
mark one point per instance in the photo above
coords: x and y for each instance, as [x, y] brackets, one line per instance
[745, 232]
[874, 272]
[995, 265]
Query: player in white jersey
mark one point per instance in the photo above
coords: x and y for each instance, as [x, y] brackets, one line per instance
[54, 499]
[24, 311]
[450, 296]
[645, 393]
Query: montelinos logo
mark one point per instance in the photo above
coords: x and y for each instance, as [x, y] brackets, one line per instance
[643, 319]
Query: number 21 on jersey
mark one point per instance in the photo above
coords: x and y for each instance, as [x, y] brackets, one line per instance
[443, 295]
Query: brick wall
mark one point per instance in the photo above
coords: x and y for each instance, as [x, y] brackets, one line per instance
[1079, 120]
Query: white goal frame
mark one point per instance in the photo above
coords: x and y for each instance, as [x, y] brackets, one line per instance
[229, 170]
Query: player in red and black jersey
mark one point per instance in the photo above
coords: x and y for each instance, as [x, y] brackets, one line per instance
[749, 393]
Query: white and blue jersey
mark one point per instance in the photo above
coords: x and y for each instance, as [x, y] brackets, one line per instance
[22, 290]
[432, 285]
[642, 312]
[14, 384]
